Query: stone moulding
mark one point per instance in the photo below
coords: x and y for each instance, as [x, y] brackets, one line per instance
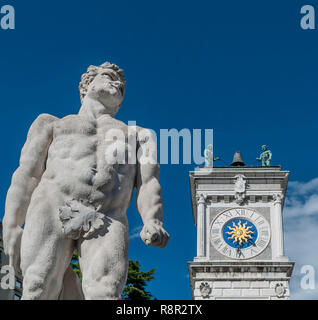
[276, 276]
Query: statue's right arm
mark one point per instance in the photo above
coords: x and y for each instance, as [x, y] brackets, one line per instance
[25, 179]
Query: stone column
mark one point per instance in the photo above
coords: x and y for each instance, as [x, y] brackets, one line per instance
[201, 226]
[277, 225]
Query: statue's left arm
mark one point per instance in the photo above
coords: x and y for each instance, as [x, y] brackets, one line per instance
[149, 201]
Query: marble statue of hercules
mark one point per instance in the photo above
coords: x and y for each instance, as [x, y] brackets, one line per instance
[69, 197]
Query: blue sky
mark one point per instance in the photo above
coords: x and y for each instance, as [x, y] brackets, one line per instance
[245, 69]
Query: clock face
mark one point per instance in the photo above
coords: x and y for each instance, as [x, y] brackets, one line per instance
[240, 233]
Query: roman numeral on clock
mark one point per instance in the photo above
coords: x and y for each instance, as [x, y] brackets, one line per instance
[239, 253]
[261, 243]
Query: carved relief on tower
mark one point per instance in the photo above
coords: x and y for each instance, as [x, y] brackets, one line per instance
[278, 198]
[240, 189]
[205, 290]
[280, 290]
[201, 198]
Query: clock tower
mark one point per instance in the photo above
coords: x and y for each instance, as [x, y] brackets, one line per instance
[240, 249]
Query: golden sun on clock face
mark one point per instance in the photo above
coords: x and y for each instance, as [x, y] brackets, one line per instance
[240, 233]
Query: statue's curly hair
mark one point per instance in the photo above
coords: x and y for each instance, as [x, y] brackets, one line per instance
[92, 72]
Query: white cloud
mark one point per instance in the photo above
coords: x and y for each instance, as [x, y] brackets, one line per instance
[303, 188]
[301, 233]
[135, 233]
[302, 199]
[302, 205]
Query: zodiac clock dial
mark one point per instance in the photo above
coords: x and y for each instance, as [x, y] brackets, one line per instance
[240, 233]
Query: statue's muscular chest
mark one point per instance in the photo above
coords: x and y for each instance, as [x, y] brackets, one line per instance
[78, 137]
[80, 147]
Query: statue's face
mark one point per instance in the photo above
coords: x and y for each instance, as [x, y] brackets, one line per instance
[264, 148]
[107, 89]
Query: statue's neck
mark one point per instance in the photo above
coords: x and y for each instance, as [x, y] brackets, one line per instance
[94, 109]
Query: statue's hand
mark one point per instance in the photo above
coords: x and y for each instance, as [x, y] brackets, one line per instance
[12, 243]
[153, 234]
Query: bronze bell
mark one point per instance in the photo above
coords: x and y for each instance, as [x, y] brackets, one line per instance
[237, 160]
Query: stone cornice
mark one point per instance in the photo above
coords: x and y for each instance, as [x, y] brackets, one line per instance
[226, 176]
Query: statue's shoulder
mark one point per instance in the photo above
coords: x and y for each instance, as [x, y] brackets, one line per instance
[42, 125]
[119, 123]
[142, 130]
[108, 121]
[43, 121]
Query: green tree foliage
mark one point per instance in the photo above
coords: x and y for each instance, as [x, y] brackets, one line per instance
[135, 288]
[136, 283]
[75, 264]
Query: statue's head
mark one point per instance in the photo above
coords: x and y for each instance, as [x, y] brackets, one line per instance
[264, 147]
[104, 83]
[210, 147]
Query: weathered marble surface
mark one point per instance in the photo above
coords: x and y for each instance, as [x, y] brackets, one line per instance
[71, 194]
